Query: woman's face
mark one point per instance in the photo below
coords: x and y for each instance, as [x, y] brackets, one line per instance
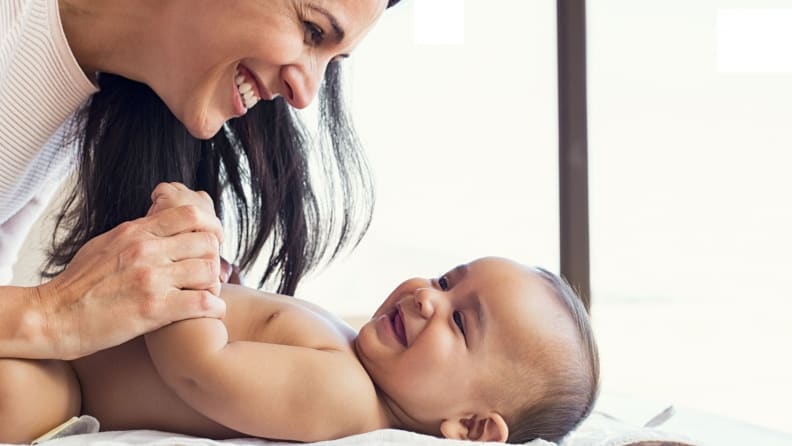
[224, 56]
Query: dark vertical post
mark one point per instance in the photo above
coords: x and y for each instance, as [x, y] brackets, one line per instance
[573, 145]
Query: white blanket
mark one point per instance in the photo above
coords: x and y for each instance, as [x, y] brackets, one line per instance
[386, 437]
[599, 429]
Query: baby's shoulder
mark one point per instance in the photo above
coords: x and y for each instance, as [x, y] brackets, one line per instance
[265, 317]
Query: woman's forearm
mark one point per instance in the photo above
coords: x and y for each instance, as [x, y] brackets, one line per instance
[24, 332]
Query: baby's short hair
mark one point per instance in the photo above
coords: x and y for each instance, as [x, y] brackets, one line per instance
[569, 390]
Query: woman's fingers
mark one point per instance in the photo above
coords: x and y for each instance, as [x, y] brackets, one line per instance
[189, 304]
[183, 261]
[195, 274]
[190, 245]
[189, 260]
[179, 186]
[182, 219]
[139, 276]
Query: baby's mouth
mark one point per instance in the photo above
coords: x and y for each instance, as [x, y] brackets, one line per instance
[398, 327]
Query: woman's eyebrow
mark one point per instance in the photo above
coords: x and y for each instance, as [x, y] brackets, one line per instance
[338, 32]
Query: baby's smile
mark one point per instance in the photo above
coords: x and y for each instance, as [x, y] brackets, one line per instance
[397, 322]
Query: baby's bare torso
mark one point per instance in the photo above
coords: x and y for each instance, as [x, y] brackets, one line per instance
[121, 388]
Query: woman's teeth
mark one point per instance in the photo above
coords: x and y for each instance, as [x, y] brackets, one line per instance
[249, 98]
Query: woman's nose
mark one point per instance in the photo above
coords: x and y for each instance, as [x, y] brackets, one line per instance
[302, 82]
[425, 302]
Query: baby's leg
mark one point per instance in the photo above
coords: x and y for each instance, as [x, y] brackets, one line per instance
[35, 396]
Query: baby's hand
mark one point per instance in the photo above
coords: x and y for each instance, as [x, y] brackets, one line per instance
[172, 195]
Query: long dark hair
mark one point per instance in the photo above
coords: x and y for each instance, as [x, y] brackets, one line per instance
[130, 141]
[259, 164]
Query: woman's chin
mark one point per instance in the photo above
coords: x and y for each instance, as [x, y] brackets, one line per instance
[204, 135]
[205, 131]
[204, 126]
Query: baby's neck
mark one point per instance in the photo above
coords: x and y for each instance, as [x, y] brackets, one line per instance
[393, 416]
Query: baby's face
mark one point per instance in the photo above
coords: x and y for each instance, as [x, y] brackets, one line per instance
[438, 348]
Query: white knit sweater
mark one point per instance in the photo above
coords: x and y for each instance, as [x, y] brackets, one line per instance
[41, 85]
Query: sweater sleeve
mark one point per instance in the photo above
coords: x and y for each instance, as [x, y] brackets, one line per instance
[13, 232]
[41, 85]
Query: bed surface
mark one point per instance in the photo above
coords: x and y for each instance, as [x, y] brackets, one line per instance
[616, 421]
[599, 430]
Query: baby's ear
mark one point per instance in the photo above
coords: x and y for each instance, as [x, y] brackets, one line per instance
[486, 427]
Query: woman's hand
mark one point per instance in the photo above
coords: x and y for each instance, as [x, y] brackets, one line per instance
[139, 276]
[170, 195]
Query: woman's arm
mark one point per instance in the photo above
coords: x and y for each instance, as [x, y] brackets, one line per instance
[261, 389]
[133, 279]
[23, 331]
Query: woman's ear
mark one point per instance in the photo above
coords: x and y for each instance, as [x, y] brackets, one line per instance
[487, 427]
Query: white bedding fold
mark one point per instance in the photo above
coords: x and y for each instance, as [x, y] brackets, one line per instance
[385, 437]
[600, 429]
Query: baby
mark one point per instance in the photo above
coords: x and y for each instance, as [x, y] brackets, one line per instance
[491, 351]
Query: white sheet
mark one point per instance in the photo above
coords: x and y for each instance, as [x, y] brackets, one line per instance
[386, 437]
[599, 429]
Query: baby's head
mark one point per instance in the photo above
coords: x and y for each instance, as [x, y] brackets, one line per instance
[492, 350]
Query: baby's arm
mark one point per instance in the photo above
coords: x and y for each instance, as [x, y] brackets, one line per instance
[259, 389]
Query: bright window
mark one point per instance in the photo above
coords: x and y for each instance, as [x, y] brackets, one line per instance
[463, 141]
[690, 208]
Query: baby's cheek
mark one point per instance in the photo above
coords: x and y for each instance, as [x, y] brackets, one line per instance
[389, 302]
[438, 349]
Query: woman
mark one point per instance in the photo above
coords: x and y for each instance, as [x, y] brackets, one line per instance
[155, 91]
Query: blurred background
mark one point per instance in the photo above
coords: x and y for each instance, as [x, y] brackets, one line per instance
[690, 105]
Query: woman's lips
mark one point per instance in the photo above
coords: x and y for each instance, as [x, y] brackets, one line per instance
[248, 89]
[259, 88]
[237, 101]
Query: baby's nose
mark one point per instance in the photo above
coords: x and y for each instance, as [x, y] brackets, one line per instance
[424, 301]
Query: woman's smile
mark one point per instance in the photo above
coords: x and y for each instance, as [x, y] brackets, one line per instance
[247, 90]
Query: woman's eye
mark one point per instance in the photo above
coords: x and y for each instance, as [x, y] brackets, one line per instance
[443, 282]
[314, 35]
[458, 321]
